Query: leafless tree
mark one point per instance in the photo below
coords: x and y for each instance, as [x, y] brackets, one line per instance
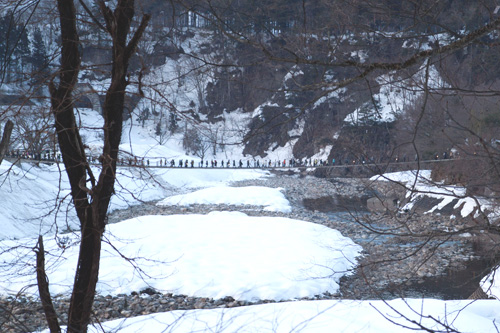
[34, 129]
[4, 144]
[91, 193]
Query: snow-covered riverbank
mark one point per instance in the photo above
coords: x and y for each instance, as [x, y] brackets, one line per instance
[374, 275]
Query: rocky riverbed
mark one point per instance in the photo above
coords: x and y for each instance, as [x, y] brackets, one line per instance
[391, 266]
[402, 251]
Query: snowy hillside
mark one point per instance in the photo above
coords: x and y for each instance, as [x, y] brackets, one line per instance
[396, 95]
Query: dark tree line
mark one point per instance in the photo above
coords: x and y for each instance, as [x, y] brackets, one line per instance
[295, 16]
[21, 56]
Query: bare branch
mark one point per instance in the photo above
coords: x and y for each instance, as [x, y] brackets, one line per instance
[43, 288]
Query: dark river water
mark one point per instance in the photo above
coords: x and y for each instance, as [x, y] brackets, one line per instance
[454, 284]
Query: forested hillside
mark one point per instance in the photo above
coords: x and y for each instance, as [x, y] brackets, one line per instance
[350, 81]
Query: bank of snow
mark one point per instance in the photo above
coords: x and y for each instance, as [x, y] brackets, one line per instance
[419, 184]
[215, 255]
[35, 198]
[32, 201]
[272, 199]
[323, 316]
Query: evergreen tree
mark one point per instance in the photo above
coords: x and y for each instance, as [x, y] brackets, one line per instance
[158, 130]
[172, 123]
[4, 44]
[14, 47]
[39, 57]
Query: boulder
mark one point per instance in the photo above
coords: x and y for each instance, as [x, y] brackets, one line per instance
[382, 204]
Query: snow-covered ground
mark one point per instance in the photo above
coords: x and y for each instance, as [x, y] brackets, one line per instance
[270, 198]
[214, 255]
[229, 254]
[221, 253]
[324, 316]
[396, 94]
[35, 199]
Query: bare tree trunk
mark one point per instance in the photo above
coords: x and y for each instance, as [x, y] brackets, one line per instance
[73, 155]
[92, 203]
[4, 144]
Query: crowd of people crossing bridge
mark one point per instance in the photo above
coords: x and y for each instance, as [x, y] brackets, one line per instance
[160, 162]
